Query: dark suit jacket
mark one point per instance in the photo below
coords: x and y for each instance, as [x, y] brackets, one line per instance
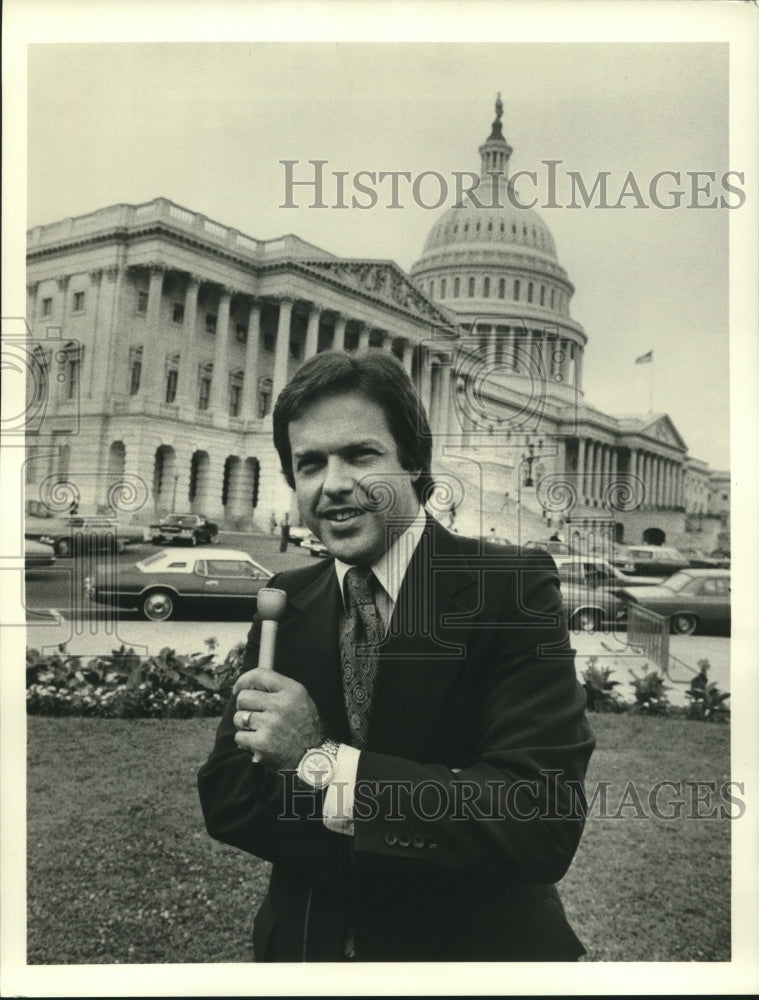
[476, 673]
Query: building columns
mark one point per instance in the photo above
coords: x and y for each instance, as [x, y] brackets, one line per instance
[312, 333]
[153, 344]
[219, 398]
[282, 352]
[188, 359]
[249, 404]
[338, 339]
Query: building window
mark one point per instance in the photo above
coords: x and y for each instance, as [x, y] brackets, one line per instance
[135, 370]
[72, 377]
[235, 393]
[142, 302]
[172, 375]
[456, 287]
[529, 292]
[211, 322]
[296, 349]
[471, 288]
[486, 288]
[204, 386]
[553, 296]
[442, 288]
[269, 341]
[177, 315]
[264, 396]
[542, 295]
[241, 333]
[47, 307]
[78, 303]
[516, 290]
[502, 288]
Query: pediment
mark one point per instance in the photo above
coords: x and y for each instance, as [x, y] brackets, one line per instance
[662, 429]
[380, 280]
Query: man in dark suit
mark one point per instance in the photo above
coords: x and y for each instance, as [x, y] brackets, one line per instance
[413, 764]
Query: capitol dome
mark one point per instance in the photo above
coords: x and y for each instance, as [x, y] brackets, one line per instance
[489, 247]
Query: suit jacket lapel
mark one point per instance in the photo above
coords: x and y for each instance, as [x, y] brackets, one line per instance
[421, 659]
[308, 649]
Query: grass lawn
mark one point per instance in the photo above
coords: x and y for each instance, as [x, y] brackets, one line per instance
[120, 868]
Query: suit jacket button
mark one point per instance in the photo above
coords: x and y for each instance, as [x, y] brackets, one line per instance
[404, 840]
[390, 839]
[417, 841]
[432, 844]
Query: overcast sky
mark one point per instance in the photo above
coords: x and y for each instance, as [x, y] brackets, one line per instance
[206, 125]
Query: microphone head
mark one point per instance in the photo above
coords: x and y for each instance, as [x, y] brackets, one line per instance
[271, 603]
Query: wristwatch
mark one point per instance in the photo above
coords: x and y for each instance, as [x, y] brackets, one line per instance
[316, 767]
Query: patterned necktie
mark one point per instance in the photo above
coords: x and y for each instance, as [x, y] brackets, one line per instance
[360, 636]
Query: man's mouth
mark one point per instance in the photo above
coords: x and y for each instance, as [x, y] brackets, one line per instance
[339, 515]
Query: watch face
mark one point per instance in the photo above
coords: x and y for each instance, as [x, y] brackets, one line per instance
[317, 768]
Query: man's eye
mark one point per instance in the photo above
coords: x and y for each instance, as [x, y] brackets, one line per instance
[308, 465]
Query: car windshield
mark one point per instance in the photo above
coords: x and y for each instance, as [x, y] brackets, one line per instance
[183, 522]
[154, 558]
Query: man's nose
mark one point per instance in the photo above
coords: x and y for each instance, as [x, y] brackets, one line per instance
[337, 477]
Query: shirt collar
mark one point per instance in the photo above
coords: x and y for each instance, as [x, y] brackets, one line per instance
[391, 567]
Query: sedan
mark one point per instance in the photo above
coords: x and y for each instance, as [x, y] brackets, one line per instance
[312, 544]
[37, 555]
[222, 579]
[69, 534]
[592, 572]
[193, 529]
[649, 560]
[590, 601]
[694, 600]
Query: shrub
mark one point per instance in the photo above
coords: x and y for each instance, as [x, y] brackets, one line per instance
[127, 686]
[707, 702]
[599, 689]
[650, 694]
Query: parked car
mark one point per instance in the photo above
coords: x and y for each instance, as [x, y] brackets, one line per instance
[167, 580]
[694, 600]
[592, 572]
[38, 555]
[313, 545]
[551, 545]
[298, 535]
[592, 609]
[648, 560]
[67, 534]
[193, 529]
[699, 560]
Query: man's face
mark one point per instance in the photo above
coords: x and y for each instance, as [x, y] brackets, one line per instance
[345, 465]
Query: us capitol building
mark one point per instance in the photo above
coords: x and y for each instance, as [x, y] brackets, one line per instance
[161, 339]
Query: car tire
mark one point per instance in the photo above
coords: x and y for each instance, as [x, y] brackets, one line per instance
[158, 606]
[586, 620]
[62, 547]
[683, 624]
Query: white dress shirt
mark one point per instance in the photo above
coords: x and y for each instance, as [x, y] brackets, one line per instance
[389, 570]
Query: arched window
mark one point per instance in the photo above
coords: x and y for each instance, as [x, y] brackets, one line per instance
[553, 296]
[501, 288]
[471, 288]
[486, 288]
[529, 292]
[516, 290]
[542, 295]
[456, 287]
[442, 288]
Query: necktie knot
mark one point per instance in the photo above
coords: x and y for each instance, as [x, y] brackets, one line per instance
[359, 588]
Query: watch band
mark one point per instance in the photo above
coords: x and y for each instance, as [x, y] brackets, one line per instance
[316, 768]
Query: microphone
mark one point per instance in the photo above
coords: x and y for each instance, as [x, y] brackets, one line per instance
[271, 607]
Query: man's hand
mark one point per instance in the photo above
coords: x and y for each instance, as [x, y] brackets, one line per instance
[276, 719]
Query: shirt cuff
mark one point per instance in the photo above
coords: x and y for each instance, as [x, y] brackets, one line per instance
[337, 807]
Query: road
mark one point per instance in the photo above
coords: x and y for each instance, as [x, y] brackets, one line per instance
[57, 611]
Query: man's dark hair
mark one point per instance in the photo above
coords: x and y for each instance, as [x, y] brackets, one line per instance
[379, 377]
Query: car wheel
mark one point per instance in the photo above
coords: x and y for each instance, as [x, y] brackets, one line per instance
[158, 606]
[586, 620]
[62, 546]
[683, 624]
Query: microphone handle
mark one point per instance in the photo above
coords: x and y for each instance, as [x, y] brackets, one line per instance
[268, 644]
